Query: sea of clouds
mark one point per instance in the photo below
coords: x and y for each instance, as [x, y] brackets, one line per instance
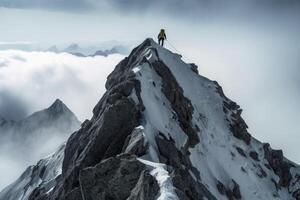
[31, 81]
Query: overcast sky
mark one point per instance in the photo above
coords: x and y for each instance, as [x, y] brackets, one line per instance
[250, 47]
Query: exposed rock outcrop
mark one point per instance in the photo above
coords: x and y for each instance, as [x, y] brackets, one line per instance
[278, 163]
[180, 104]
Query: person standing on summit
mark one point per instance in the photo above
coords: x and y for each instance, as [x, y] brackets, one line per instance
[161, 37]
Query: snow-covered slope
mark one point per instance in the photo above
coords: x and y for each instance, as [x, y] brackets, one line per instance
[161, 131]
[43, 174]
[226, 157]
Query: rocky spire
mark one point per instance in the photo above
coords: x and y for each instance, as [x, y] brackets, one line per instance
[58, 107]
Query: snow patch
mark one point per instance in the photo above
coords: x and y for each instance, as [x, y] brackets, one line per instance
[159, 172]
[136, 69]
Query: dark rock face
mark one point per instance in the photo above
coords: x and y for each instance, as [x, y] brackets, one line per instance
[145, 189]
[232, 193]
[194, 68]
[254, 155]
[221, 188]
[280, 166]
[180, 104]
[135, 143]
[261, 173]
[237, 124]
[296, 194]
[99, 142]
[187, 187]
[241, 152]
[119, 175]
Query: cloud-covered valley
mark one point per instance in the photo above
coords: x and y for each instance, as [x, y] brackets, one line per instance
[30, 81]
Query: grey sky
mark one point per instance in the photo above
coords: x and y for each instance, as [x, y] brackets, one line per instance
[66, 5]
[168, 6]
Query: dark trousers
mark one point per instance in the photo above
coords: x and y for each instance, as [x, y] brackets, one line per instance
[161, 41]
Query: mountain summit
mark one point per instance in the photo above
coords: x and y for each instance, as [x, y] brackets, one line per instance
[58, 105]
[59, 108]
[162, 131]
[57, 118]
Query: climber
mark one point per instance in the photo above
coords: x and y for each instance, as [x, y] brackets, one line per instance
[161, 37]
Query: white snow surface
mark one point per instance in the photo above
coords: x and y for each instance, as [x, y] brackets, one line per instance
[158, 170]
[215, 157]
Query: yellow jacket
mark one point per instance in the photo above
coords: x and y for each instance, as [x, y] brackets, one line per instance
[162, 35]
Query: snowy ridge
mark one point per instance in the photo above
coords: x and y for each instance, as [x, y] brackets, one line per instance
[163, 178]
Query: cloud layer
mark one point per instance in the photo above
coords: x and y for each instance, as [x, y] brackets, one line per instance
[188, 7]
[65, 5]
[31, 81]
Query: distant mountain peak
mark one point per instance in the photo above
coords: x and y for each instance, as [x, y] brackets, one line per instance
[57, 104]
[58, 101]
[74, 45]
[58, 111]
[53, 49]
[58, 107]
[72, 48]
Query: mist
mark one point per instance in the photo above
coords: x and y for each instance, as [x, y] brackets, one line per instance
[19, 152]
[31, 81]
